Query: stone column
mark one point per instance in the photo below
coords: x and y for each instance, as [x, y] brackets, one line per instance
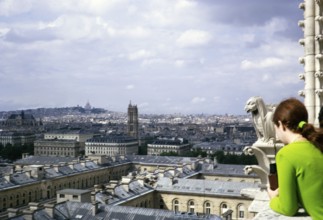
[313, 58]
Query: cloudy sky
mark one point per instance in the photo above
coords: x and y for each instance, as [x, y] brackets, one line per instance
[166, 56]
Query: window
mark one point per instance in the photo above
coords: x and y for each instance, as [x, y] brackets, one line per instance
[161, 204]
[241, 211]
[191, 206]
[207, 208]
[223, 208]
[75, 196]
[61, 195]
[175, 205]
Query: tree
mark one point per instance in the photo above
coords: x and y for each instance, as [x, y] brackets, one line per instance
[243, 159]
[171, 153]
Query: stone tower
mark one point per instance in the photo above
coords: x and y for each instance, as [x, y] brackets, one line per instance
[133, 121]
[312, 26]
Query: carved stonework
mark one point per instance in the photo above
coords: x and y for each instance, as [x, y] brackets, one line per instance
[261, 118]
[265, 155]
[266, 146]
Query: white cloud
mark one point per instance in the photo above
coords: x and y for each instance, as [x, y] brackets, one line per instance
[140, 54]
[143, 105]
[12, 7]
[275, 25]
[147, 51]
[198, 100]
[179, 63]
[130, 87]
[262, 64]
[191, 38]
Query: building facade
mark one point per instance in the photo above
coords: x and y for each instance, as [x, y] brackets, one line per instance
[16, 138]
[77, 135]
[55, 147]
[111, 145]
[22, 119]
[169, 183]
[175, 145]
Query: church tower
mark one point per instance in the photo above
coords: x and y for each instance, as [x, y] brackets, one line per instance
[312, 26]
[133, 125]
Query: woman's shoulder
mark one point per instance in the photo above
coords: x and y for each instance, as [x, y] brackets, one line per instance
[301, 148]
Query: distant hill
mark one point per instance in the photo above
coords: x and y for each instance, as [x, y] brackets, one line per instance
[45, 112]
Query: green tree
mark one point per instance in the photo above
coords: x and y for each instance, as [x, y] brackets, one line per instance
[172, 153]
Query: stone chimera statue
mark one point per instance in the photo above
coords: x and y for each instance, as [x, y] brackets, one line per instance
[262, 119]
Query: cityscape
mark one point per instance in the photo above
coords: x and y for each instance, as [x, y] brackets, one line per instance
[122, 110]
[123, 159]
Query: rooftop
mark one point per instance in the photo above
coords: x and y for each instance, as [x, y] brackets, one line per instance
[210, 187]
[42, 160]
[75, 210]
[161, 159]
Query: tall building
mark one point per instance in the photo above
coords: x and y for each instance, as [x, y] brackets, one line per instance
[133, 125]
[313, 57]
[21, 120]
[111, 145]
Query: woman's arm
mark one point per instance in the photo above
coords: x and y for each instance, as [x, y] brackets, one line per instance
[286, 201]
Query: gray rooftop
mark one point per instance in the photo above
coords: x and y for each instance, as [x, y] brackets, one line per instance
[226, 170]
[76, 210]
[73, 191]
[4, 183]
[205, 187]
[160, 159]
[135, 189]
[42, 160]
[59, 169]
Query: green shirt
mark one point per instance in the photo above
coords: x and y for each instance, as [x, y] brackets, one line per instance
[300, 180]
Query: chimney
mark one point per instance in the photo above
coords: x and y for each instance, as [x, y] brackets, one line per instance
[34, 206]
[55, 167]
[173, 180]
[93, 200]
[98, 187]
[71, 165]
[180, 168]
[28, 214]
[28, 173]
[125, 181]
[141, 180]
[7, 177]
[111, 186]
[13, 212]
[49, 209]
[95, 204]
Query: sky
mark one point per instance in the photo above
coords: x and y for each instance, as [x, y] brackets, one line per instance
[165, 56]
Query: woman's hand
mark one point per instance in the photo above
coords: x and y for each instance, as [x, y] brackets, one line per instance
[272, 193]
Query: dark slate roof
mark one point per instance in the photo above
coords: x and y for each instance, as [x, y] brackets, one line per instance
[226, 170]
[160, 159]
[167, 142]
[112, 139]
[205, 187]
[4, 183]
[42, 160]
[76, 210]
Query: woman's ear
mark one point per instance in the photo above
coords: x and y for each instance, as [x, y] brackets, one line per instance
[281, 124]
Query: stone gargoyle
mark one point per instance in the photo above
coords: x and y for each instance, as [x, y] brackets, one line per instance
[262, 119]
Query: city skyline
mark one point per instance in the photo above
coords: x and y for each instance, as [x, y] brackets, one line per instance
[183, 56]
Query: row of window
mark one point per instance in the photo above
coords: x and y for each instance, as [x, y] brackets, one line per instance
[17, 200]
[207, 208]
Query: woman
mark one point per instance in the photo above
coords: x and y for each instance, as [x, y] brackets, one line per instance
[299, 163]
